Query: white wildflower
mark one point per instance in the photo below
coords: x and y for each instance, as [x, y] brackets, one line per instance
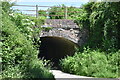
[33, 23]
[11, 14]
[27, 20]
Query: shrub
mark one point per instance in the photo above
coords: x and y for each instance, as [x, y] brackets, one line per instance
[16, 47]
[19, 55]
[10, 72]
[6, 6]
[103, 21]
[26, 24]
[92, 63]
[37, 70]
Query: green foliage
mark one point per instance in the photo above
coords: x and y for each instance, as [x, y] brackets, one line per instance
[10, 72]
[11, 39]
[25, 24]
[57, 10]
[72, 13]
[6, 6]
[28, 25]
[103, 21]
[99, 18]
[81, 18]
[15, 44]
[40, 20]
[37, 70]
[42, 13]
[19, 54]
[92, 63]
[80, 15]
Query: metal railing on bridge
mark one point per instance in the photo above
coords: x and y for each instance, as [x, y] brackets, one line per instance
[37, 10]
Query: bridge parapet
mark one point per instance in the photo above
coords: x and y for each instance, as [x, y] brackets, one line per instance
[60, 23]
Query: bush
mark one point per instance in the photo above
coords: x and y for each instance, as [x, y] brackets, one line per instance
[92, 63]
[37, 70]
[103, 19]
[19, 55]
[10, 72]
[28, 25]
[16, 47]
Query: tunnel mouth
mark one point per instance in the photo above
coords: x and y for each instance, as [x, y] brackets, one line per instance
[59, 38]
[55, 48]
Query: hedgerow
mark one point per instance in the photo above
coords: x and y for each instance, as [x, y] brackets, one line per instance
[19, 54]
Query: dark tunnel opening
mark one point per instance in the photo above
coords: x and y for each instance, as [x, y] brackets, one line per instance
[55, 48]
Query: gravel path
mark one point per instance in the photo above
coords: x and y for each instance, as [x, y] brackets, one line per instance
[59, 75]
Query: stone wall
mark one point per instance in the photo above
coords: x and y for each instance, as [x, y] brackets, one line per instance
[61, 23]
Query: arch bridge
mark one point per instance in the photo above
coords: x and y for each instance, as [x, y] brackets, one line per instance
[64, 28]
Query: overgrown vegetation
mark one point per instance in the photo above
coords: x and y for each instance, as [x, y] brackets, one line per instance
[92, 63]
[19, 49]
[101, 59]
[101, 20]
[58, 12]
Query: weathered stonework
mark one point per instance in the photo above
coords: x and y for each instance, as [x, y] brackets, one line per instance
[71, 33]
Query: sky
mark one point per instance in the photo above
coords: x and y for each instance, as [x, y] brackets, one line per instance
[49, 0]
[75, 3]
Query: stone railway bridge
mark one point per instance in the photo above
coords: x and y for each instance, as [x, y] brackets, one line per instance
[64, 28]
